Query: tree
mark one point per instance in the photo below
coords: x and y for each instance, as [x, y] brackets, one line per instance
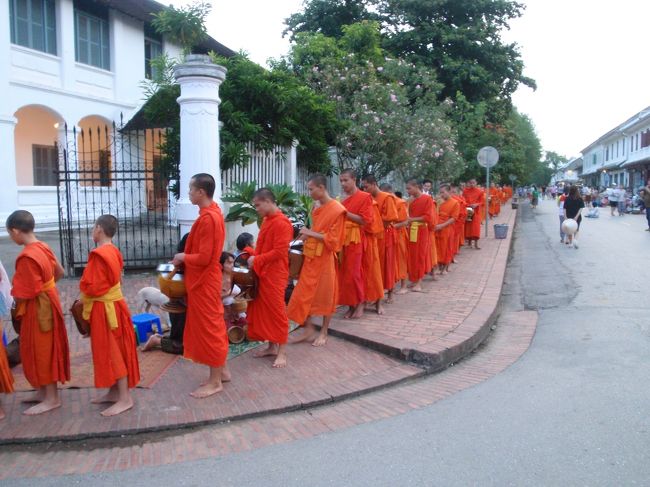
[184, 26]
[554, 160]
[328, 17]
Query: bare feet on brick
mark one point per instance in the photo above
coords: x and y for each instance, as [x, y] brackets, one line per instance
[207, 390]
[43, 407]
[119, 407]
[281, 360]
[270, 351]
[320, 340]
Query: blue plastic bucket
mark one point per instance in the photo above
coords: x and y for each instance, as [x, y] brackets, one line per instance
[500, 230]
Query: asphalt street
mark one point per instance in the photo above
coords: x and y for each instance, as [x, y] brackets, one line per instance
[571, 411]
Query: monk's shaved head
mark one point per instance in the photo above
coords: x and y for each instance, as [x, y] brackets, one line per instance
[414, 182]
[386, 187]
[370, 179]
[108, 224]
[318, 180]
[21, 220]
[445, 186]
[205, 182]
[350, 172]
[264, 194]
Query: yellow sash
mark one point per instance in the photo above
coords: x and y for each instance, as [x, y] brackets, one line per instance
[44, 314]
[415, 228]
[352, 233]
[114, 294]
[313, 248]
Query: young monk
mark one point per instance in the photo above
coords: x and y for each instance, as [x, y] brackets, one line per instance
[475, 198]
[387, 244]
[43, 338]
[495, 201]
[267, 314]
[432, 261]
[372, 278]
[359, 206]
[401, 238]
[459, 226]
[420, 217]
[317, 290]
[205, 338]
[447, 215]
[112, 339]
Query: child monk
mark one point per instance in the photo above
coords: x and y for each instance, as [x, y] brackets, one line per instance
[205, 338]
[420, 217]
[267, 314]
[317, 290]
[387, 242]
[44, 348]
[112, 338]
[459, 226]
[352, 289]
[401, 238]
[445, 237]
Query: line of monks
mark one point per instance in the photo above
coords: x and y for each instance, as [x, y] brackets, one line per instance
[357, 251]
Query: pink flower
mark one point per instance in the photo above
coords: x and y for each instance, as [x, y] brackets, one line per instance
[393, 98]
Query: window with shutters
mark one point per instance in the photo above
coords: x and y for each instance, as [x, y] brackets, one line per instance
[153, 48]
[92, 39]
[45, 160]
[104, 168]
[33, 24]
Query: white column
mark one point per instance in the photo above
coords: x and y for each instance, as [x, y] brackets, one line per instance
[66, 45]
[199, 79]
[291, 166]
[9, 193]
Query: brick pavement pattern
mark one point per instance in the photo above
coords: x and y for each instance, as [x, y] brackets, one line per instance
[432, 330]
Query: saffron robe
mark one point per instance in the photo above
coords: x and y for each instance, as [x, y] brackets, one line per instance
[267, 313]
[44, 350]
[495, 202]
[373, 281]
[433, 259]
[352, 289]
[6, 378]
[474, 196]
[459, 226]
[387, 250]
[317, 290]
[114, 350]
[402, 239]
[445, 238]
[419, 243]
[205, 339]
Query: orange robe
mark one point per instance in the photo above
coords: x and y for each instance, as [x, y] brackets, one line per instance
[44, 350]
[474, 196]
[419, 243]
[402, 237]
[205, 340]
[351, 272]
[433, 259]
[114, 350]
[317, 290]
[6, 378]
[387, 250]
[372, 277]
[495, 202]
[445, 237]
[267, 313]
[459, 226]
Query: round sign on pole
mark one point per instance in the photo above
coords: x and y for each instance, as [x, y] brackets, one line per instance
[512, 177]
[488, 156]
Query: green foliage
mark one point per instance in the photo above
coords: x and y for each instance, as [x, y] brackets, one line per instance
[184, 26]
[554, 160]
[328, 17]
[295, 206]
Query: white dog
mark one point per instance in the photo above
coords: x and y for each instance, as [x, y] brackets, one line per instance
[149, 298]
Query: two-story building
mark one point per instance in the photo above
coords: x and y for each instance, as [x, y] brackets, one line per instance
[78, 64]
[621, 156]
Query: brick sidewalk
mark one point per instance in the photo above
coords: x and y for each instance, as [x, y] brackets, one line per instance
[434, 329]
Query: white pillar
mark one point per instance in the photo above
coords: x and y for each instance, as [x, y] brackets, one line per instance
[291, 166]
[199, 79]
[9, 193]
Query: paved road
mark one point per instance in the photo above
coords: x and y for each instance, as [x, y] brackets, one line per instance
[571, 411]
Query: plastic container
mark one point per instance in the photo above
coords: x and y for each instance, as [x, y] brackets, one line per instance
[500, 230]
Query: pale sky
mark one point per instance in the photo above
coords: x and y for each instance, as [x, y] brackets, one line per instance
[587, 57]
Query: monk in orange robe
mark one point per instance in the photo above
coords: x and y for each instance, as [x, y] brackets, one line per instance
[447, 215]
[420, 217]
[359, 206]
[494, 200]
[401, 238]
[267, 313]
[44, 348]
[205, 340]
[112, 339]
[373, 280]
[475, 198]
[317, 290]
[459, 225]
[432, 260]
[387, 244]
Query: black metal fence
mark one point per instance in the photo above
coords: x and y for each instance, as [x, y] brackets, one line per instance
[103, 170]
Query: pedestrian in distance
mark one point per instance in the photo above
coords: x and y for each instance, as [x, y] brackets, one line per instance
[560, 205]
[645, 196]
[573, 206]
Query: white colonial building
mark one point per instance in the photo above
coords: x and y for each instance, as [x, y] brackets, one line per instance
[74, 63]
[621, 156]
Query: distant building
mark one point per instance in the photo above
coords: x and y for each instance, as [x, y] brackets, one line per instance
[570, 173]
[74, 62]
